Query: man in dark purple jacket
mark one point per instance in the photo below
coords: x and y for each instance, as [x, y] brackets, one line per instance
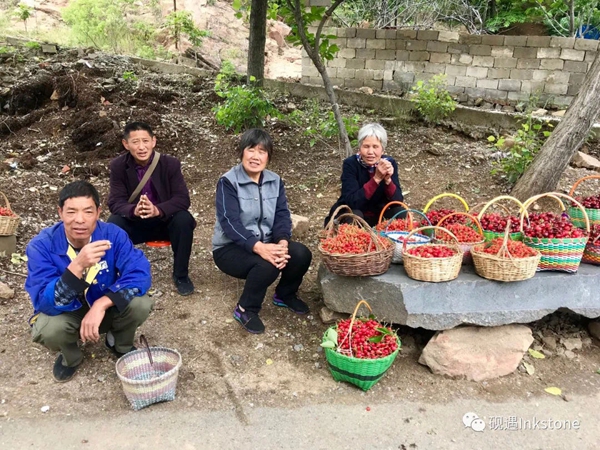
[160, 210]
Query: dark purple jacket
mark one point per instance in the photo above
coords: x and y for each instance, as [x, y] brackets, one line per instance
[167, 180]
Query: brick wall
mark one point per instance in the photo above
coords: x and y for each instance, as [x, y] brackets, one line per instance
[499, 69]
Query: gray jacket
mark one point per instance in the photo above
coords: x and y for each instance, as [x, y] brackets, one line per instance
[248, 212]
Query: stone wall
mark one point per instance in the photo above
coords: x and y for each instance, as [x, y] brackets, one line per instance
[498, 69]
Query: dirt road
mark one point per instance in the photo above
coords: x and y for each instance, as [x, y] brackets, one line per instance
[398, 425]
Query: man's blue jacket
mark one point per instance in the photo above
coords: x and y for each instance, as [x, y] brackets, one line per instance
[124, 271]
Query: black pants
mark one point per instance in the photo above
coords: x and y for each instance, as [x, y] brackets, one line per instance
[260, 273]
[179, 229]
[372, 220]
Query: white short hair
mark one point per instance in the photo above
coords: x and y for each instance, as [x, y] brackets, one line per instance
[372, 130]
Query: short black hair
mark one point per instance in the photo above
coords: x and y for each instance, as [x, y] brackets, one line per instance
[80, 188]
[137, 126]
[254, 137]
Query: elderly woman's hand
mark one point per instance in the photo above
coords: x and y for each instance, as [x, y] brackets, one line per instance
[276, 254]
[384, 171]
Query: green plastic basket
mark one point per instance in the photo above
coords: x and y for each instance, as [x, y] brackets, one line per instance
[364, 373]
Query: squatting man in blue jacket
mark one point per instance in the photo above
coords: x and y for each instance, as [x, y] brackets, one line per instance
[85, 278]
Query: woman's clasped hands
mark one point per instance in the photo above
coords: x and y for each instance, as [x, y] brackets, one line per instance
[276, 254]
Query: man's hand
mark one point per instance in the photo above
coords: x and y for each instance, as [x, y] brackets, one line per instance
[145, 209]
[89, 255]
[276, 254]
[90, 325]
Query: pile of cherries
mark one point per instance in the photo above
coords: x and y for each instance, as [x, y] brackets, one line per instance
[351, 239]
[395, 225]
[517, 249]
[497, 223]
[432, 251]
[436, 215]
[6, 212]
[463, 233]
[592, 202]
[552, 226]
[369, 339]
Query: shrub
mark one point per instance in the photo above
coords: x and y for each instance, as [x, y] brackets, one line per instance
[432, 99]
[519, 150]
[243, 106]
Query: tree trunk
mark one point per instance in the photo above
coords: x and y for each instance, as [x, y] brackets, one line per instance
[314, 55]
[258, 39]
[572, 18]
[556, 153]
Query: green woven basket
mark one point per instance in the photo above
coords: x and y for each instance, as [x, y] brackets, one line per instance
[578, 218]
[576, 214]
[364, 373]
[564, 254]
[490, 235]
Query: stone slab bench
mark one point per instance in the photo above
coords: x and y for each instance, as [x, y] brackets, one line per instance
[469, 299]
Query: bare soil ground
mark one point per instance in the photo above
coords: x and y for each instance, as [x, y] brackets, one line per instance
[48, 143]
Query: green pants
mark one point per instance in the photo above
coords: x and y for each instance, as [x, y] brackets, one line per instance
[61, 333]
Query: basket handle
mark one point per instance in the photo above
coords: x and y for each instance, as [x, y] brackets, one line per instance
[556, 196]
[329, 225]
[6, 201]
[446, 194]
[408, 211]
[472, 217]
[144, 342]
[395, 202]
[590, 177]
[366, 227]
[430, 227]
[501, 197]
[349, 335]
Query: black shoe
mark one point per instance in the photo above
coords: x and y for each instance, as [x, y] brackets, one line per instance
[293, 303]
[61, 372]
[109, 343]
[184, 285]
[249, 320]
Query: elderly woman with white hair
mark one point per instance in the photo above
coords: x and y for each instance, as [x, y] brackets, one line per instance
[370, 178]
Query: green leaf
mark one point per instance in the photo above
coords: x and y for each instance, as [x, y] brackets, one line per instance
[529, 368]
[384, 331]
[491, 139]
[332, 335]
[553, 390]
[376, 339]
[535, 354]
[327, 344]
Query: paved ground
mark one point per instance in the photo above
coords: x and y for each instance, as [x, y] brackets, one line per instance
[323, 426]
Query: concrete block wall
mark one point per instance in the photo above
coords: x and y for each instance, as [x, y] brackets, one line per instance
[499, 69]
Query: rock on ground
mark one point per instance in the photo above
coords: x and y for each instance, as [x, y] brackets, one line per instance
[585, 161]
[477, 353]
[5, 291]
[300, 226]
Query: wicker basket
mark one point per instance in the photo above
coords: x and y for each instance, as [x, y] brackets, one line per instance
[562, 255]
[466, 246]
[357, 265]
[591, 254]
[145, 383]
[399, 236]
[576, 214]
[8, 224]
[433, 269]
[489, 235]
[502, 266]
[364, 373]
[404, 205]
